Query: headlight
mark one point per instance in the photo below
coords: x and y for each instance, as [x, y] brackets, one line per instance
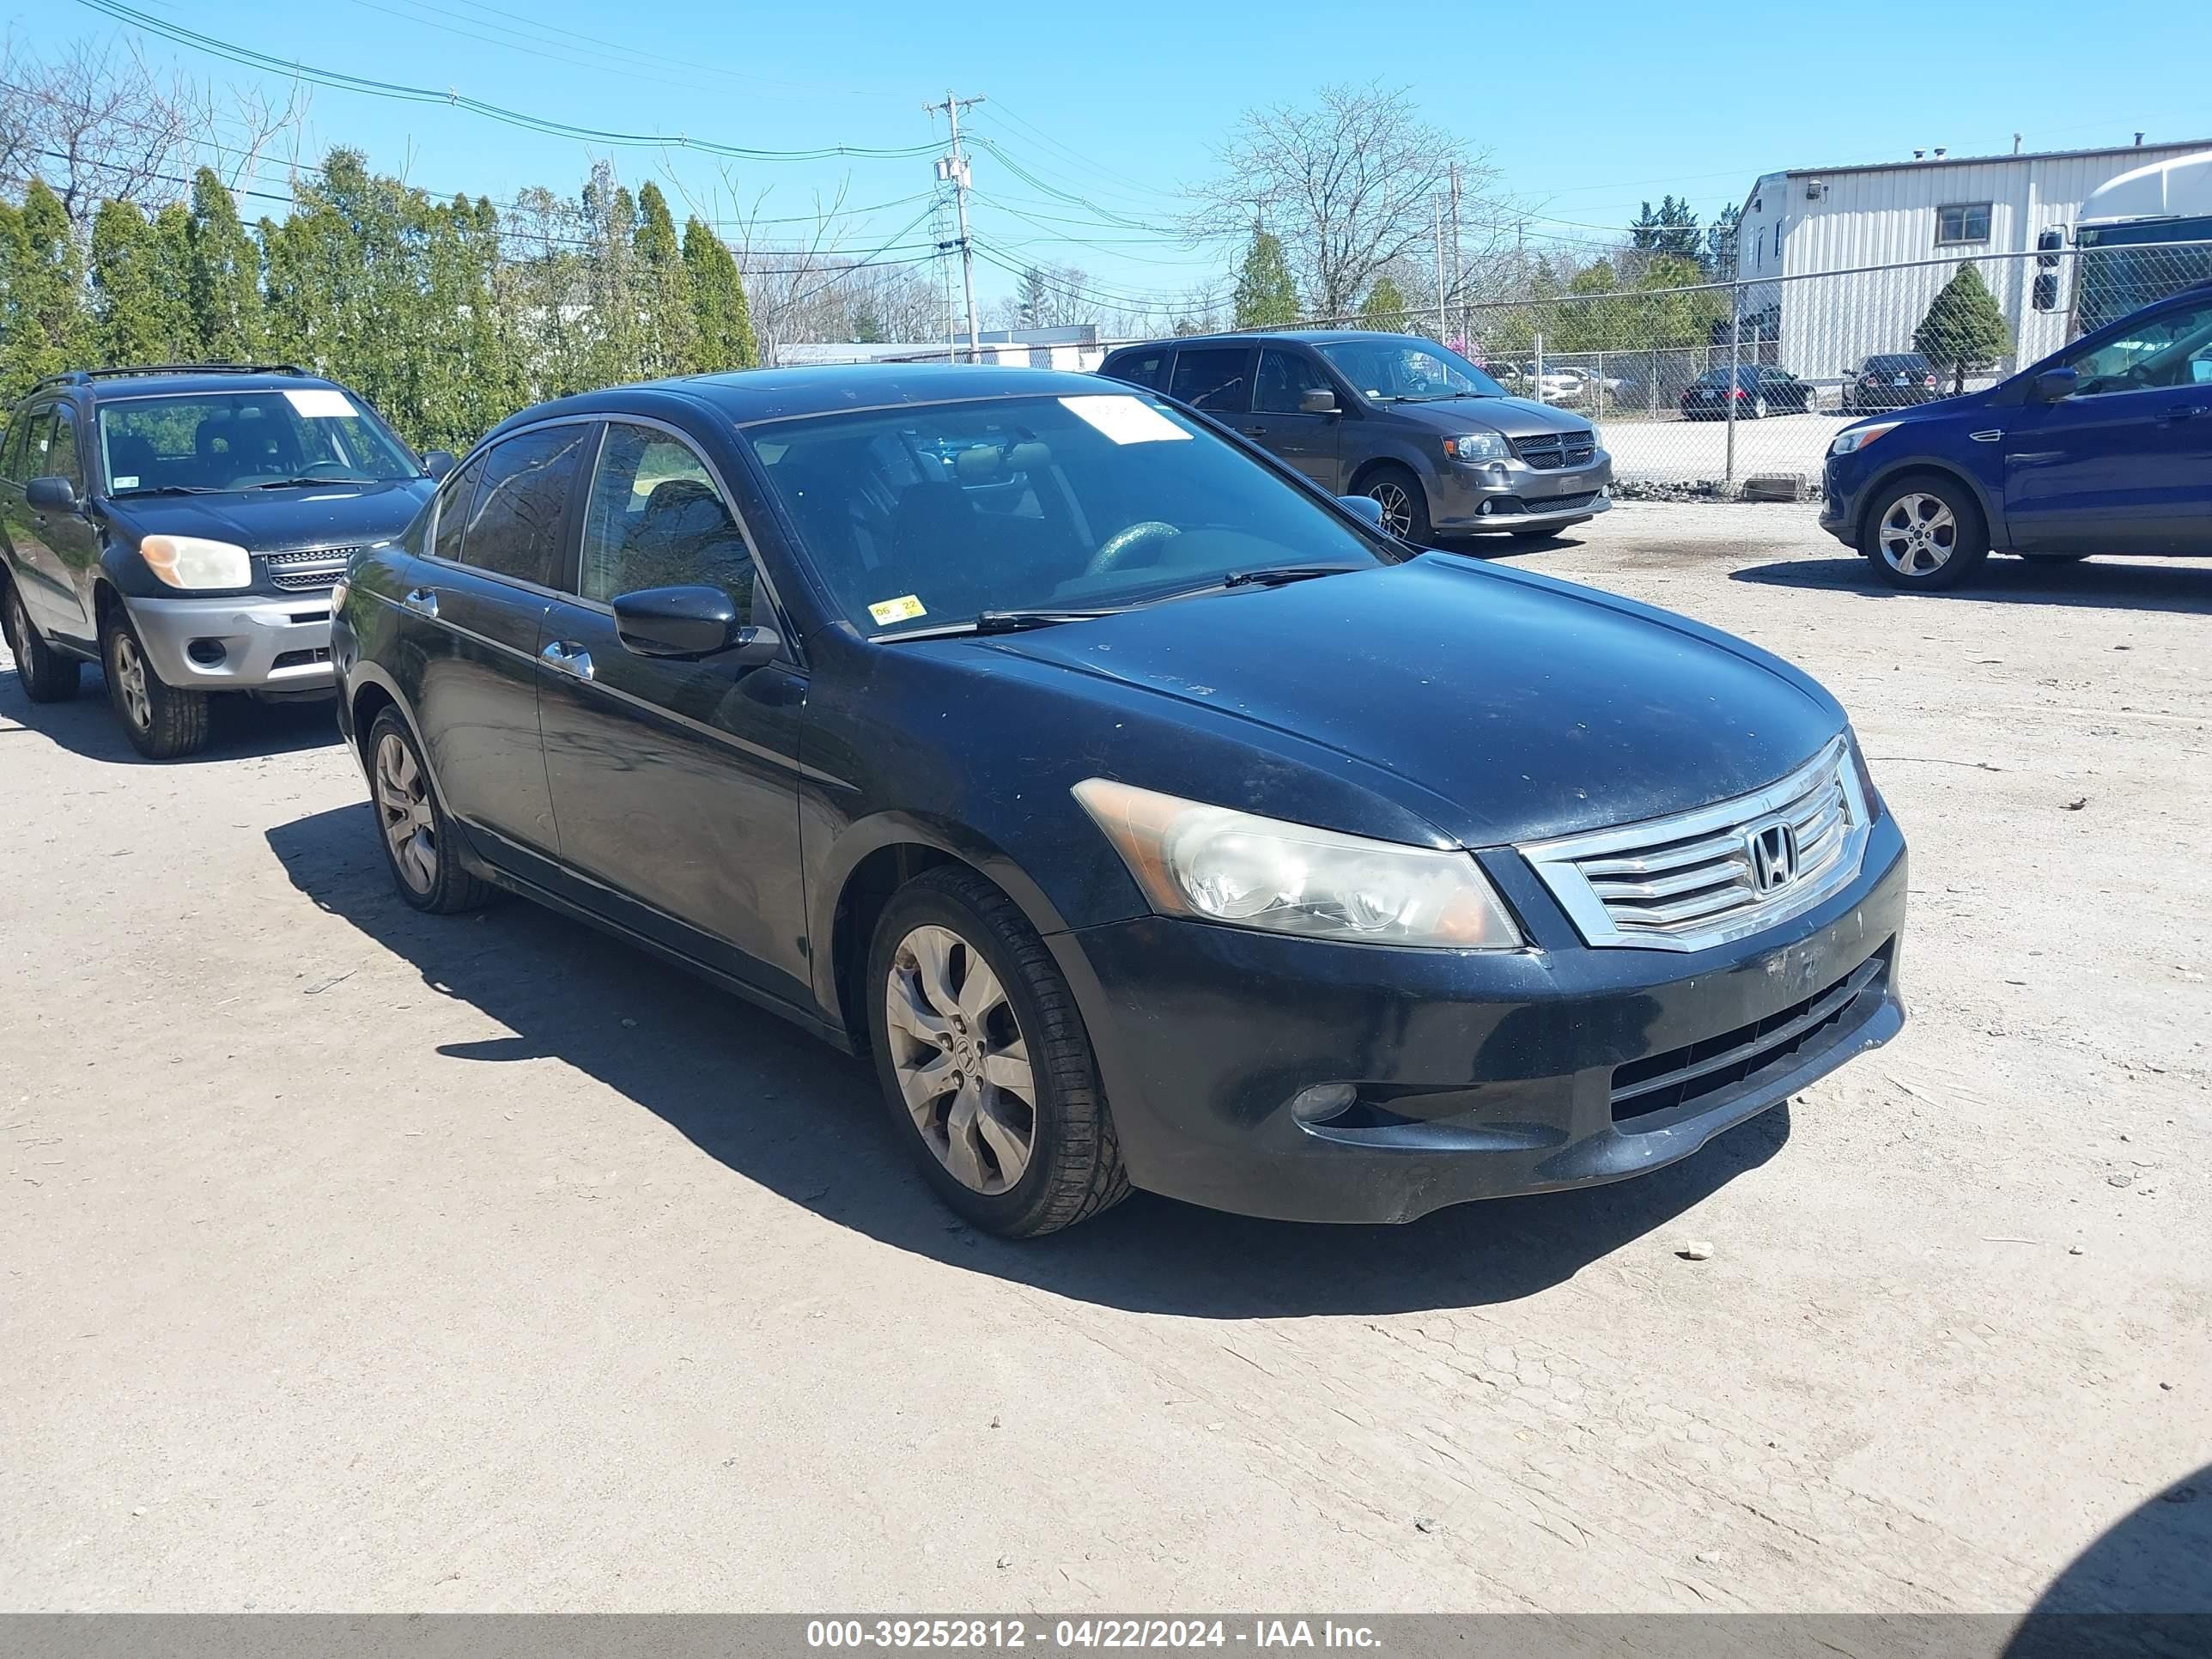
[1221, 865]
[1849, 443]
[1478, 446]
[195, 561]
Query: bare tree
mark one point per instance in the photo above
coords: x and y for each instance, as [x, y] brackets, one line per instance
[1351, 185]
[98, 124]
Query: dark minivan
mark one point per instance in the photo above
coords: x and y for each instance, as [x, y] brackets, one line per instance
[1440, 445]
[2103, 447]
[182, 527]
[1151, 818]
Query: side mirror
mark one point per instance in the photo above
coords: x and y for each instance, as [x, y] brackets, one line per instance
[1365, 506]
[2055, 385]
[1318, 400]
[2046, 248]
[438, 462]
[2043, 293]
[691, 623]
[51, 494]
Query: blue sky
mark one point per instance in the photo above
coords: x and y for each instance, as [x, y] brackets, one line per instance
[1118, 105]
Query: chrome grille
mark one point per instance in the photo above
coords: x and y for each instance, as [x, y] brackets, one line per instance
[1701, 879]
[308, 566]
[1554, 450]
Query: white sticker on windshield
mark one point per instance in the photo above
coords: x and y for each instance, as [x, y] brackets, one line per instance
[321, 403]
[129, 482]
[905, 608]
[1124, 419]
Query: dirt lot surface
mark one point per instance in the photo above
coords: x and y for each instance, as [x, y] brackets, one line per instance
[357, 1260]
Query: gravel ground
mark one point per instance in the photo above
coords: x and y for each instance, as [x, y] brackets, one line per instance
[356, 1260]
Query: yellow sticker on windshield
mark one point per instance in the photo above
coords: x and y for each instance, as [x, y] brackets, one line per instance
[905, 608]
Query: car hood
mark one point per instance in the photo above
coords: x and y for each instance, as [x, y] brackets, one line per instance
[1515, 418]
[273, 520]
[1497, 706]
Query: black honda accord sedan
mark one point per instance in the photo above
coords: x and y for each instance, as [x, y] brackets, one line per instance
[1148, 816]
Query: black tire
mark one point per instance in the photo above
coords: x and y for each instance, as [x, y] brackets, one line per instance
[162, 722]
[1401, 495]
[448, 889]
[1968, 547]
[44, 674]
[1074, 1169]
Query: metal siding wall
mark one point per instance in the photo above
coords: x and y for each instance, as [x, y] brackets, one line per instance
[1889, 218]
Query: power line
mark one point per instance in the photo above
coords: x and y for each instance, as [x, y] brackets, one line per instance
[336, 79]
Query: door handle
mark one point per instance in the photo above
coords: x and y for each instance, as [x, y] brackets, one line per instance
[1256, 431]
[569, 657]
[2186, 412]
[422, 602]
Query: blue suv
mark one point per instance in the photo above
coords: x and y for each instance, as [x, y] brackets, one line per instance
[2104, 447]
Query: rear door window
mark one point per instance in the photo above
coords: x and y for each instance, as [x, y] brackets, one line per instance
[1217, 379]
[522, 501]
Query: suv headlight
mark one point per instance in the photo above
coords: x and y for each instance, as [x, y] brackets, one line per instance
[193, 561]
[1217, 865]
[1849, 443]
[1478, 446]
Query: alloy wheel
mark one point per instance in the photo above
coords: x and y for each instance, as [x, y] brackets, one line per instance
[131, 681]
[961, 1061]
[1397, 507]
[1918, 534]
[403, 806]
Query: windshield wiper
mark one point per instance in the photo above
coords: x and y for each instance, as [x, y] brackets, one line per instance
[1276, 576]
[163, 490]
[1005, 622]
[303, 483]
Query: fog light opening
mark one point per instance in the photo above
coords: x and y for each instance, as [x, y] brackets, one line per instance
[1323, 1102]
[208, 653]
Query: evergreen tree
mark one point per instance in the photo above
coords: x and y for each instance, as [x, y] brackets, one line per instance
[133, 321]
[669, 341]
[718, 299]
[1033, 307]
[1385, 307]
[1720, 245]
[615, 349]
[172, 277]
[1672, 228]
[223, 277]
[1964, 329]
[1266, 295]
[44, 328]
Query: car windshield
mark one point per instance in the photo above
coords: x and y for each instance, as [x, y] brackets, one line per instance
[916, 517]
[237, 441]
[1398, 368]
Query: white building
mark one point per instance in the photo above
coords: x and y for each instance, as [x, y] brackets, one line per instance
[1918, 219]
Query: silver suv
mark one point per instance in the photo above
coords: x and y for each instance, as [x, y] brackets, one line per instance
[1436, 441]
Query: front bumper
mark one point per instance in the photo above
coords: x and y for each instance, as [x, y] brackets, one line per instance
[1509, 495]
[253, 643]
[1475, 1076]
[1839, 504]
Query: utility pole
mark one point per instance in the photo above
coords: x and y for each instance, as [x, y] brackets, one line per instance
[1459, 271]
[953, 169]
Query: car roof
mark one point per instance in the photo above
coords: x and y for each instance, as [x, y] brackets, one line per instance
[1313, 337]
[745, 397]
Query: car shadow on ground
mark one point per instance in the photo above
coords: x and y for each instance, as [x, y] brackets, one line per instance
[803, 1120]
[85, 724]
[2143, 1588]
[2179, 584]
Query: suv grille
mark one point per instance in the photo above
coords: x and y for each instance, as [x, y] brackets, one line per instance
[1554, 450]
[308, 567]
[1718, 873]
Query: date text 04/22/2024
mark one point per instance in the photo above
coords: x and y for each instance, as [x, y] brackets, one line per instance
[1078, 1634]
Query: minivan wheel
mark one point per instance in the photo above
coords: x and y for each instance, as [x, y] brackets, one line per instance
[44, 674]
[418, 845]
[161, 722]
[1405, 504]
[1925, 532]
[983, 1059]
